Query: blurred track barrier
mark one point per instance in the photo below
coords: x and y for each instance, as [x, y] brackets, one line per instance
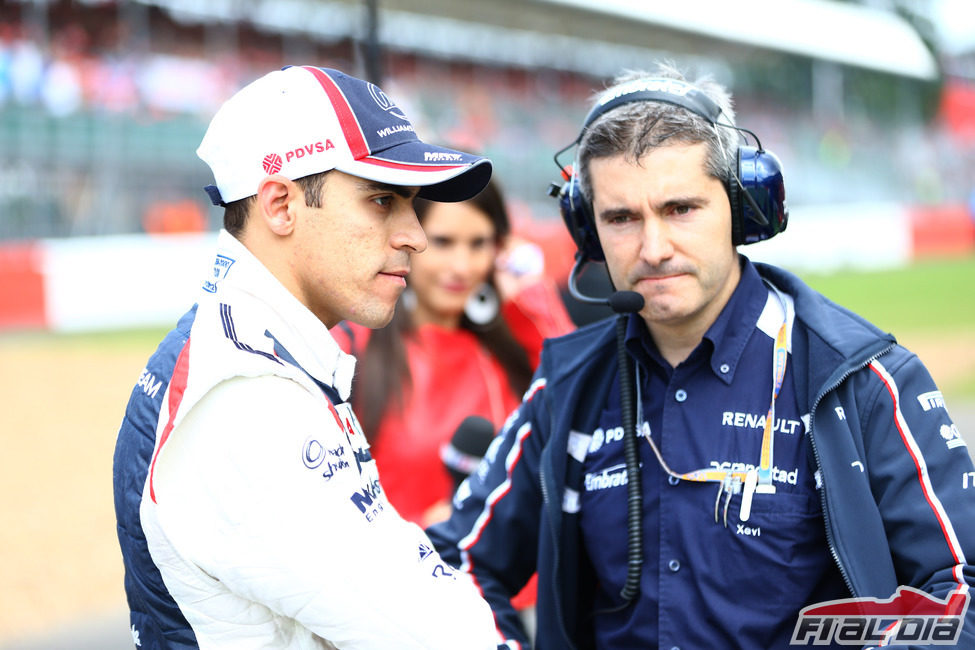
[866, 236]
[942, 230]
[123, 281]
[22, 286]
[98, 283]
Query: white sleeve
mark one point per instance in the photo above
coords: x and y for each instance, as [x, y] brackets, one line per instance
[261, 487]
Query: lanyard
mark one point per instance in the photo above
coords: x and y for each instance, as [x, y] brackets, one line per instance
[779, 359]
[753, 480]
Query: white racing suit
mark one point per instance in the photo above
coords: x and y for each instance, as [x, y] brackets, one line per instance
[250, 513]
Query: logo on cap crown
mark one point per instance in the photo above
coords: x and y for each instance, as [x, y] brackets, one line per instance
[386, 103]
[272, 163]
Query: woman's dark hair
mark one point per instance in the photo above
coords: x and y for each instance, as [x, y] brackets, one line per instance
[383, 371]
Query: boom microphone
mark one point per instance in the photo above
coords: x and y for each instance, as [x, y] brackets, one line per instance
[467, 447]
[625, 302]
[622, 302]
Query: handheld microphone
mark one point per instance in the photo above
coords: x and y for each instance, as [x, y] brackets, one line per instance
[467, 447]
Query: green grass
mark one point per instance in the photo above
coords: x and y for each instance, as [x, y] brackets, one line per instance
[928, 297]
[924, 301]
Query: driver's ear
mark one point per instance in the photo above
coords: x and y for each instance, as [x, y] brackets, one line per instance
[278, 198]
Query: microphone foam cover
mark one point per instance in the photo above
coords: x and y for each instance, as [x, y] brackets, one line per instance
[473, 435]
[626, 302]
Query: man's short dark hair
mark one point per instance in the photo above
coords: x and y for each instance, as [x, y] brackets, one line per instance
[634, 129]
[235, 214]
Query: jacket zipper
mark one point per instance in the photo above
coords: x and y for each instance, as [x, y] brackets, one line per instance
[822, 494]
[555, 566]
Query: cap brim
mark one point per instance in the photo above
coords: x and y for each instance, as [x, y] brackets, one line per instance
[441, 174]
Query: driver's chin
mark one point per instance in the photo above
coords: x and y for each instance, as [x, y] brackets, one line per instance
[377, 316]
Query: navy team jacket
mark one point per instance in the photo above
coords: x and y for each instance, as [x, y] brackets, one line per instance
[898, 499]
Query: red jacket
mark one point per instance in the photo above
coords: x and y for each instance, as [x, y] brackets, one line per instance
[453, 377]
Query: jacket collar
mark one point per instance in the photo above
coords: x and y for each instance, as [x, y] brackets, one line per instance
[828, 340]
[291, 325]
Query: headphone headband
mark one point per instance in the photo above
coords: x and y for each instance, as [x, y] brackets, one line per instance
[755, 190]
[669, 91]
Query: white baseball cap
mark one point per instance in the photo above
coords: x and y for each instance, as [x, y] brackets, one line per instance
[303, 120]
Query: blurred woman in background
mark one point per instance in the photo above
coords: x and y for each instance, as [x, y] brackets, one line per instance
[465, 340]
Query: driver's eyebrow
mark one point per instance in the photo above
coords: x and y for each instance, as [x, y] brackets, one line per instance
[405, 191]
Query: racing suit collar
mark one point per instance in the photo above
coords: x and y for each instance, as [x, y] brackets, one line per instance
[296, 327]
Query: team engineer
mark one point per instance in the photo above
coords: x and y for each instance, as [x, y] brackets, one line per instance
[250, 512]
[789, 452]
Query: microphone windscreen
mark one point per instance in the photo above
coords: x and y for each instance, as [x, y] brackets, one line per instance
[626, 302]
[467, 447]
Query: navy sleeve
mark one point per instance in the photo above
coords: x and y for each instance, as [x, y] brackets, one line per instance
[493, 530]
[923, 480]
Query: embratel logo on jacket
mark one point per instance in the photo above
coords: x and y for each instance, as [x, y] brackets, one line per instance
[221, 266]
[909, 617]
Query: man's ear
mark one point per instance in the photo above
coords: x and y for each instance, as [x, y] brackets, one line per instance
[277, 199]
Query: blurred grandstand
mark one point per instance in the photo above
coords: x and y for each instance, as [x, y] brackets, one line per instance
[102, 104]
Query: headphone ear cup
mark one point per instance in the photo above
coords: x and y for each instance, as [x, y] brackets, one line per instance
[577, 215]
[735, 199]
[762, 208]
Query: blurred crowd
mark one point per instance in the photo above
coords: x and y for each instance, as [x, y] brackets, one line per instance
[71, 74]
[110, 117]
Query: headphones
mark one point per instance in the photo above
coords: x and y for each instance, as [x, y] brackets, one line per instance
[756, 189]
